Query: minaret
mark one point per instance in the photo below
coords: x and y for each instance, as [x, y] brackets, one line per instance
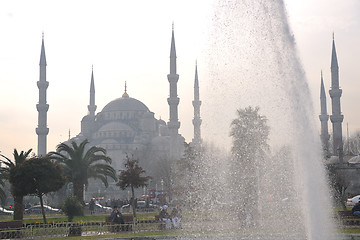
[324, 118]
[335, 94]
[88, 121]
[196, 104]
[92, 106]
[42, 107]
[173, 101]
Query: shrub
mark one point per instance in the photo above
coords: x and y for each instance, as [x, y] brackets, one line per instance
[72, 207]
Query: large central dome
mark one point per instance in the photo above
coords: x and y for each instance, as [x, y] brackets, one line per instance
[125, 104]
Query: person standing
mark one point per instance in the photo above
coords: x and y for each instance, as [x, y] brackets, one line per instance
[92, 206]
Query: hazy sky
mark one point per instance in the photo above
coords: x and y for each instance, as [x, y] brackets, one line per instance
[130, 41]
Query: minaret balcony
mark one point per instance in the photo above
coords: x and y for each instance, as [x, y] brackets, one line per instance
[42, 107]
[42, 84]
[42, 131]
[324, 117]
[336, 118]
[173, 101]
[173, 125]
[173, 78]
[92, 108]
[335, 93]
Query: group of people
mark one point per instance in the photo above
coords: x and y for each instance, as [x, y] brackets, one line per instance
[173, 219]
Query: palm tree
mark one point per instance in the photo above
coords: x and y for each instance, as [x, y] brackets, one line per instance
[9, 172]
[80, 165]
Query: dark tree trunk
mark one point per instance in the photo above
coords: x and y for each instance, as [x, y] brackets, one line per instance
[18, 208]
[133, 202]
[42, 208]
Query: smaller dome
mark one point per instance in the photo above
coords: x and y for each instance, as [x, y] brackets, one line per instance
[115, 126]
[86, 118]
[161, 122]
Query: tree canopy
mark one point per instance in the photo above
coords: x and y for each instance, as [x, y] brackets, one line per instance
[131, 177]
[80, 164]
[39, 177]
[250, 133]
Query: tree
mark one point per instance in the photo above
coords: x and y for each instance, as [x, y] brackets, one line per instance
[339, 180]
[72, 207]
[352, 144]
[131, 177]
[80, 165]
[11, 169]
[250, 134]
[39, 177]
[186, 175]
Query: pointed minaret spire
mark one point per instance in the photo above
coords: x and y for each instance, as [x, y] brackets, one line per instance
[196, 104]
[324, 118]
[42, 54]
[173, 102]
[92, 107]
[335, 94]
[42, 107]
[334, 67]
[172, 53]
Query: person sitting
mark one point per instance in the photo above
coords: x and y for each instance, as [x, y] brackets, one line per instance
[165, 217]
[117, 219]
[356, 210]
[176, 216]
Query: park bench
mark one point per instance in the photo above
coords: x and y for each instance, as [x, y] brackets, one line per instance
[10, 229]
[348, 219]
[127, 226]
[345, 214]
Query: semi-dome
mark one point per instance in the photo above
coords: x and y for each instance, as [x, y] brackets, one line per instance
[125, 104]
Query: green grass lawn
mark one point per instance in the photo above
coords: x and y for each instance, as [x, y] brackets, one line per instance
[59, 218]
[37, 218]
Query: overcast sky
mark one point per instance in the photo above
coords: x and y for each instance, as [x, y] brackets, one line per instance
[130, 41]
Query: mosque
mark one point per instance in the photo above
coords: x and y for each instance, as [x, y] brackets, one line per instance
[127, 126]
